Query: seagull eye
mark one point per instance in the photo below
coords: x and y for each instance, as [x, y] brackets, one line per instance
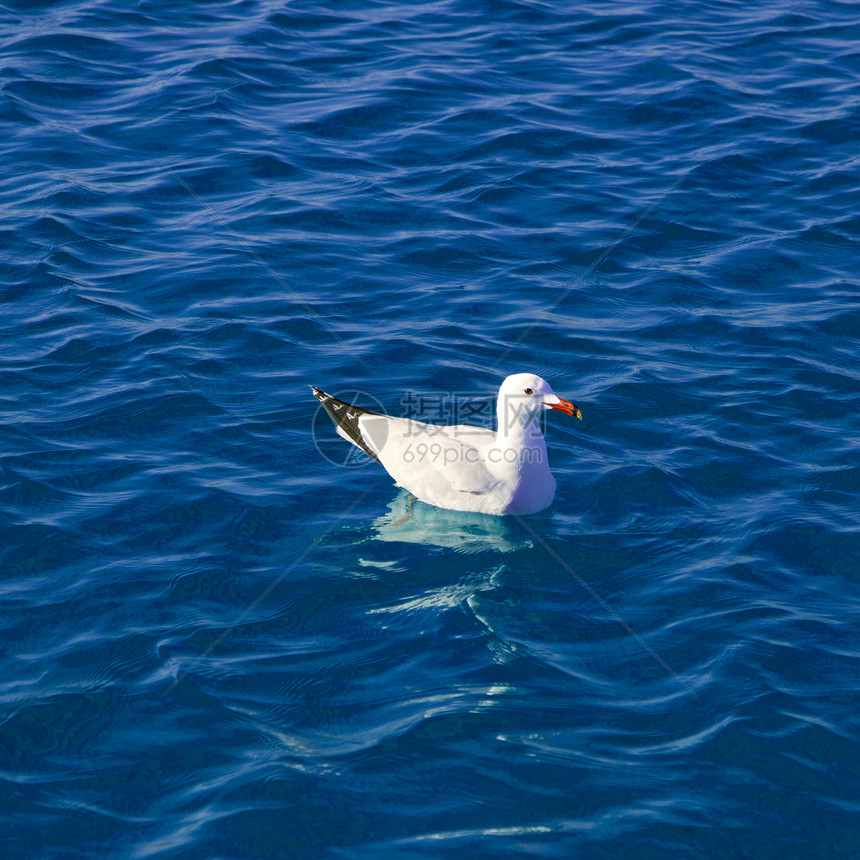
[529, 391]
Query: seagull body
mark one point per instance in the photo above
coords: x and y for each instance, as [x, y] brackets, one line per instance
[460, 467]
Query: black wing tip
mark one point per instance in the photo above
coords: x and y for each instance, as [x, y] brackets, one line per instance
[345, 416]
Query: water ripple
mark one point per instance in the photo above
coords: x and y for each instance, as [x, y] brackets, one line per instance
[223, 641]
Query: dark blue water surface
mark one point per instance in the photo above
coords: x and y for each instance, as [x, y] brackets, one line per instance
[221, 635]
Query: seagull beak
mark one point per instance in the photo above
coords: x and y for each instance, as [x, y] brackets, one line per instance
[567, 407]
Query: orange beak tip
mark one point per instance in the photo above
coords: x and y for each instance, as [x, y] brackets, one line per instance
[568, 408]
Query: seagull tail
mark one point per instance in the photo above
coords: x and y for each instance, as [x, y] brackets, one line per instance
[346, 418]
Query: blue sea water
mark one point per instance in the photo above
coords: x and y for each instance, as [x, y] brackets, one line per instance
[222, 635]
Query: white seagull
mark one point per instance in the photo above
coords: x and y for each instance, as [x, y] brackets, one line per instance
[459, 467]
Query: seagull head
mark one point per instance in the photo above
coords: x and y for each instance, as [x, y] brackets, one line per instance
[528, 394]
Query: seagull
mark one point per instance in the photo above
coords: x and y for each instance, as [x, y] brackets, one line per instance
[463, 468]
